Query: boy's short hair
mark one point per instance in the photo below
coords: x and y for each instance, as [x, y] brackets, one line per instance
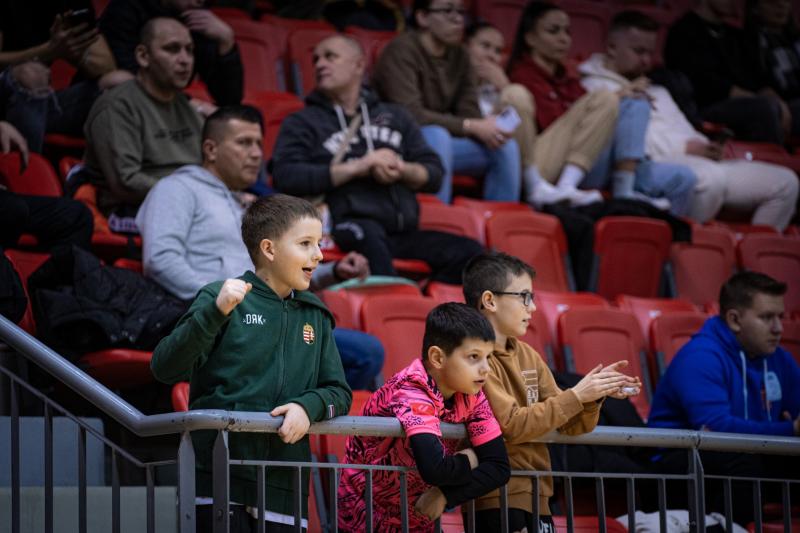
[738, 291]
[491, 271]
[449, 324]
[216, 121]
[270, 217]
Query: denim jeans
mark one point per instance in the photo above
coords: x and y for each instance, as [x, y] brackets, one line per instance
[462, 155]
[362, 357]
[672, 181]
[33, 115]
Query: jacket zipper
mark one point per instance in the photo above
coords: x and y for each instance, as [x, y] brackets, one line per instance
[396, 202]
[282, 371]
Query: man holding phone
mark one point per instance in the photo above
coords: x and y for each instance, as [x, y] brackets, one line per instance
[768, 190]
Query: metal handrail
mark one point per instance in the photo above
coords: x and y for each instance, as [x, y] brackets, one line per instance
[176, 423]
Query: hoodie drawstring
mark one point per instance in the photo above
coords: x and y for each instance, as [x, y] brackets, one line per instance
[365, 119]
[744, 383]
[766, 395]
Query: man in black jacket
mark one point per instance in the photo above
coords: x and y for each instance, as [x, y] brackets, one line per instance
[369, 159]
[217, 59]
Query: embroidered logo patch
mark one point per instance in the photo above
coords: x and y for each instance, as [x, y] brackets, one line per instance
[531, 380]
[253, 319]
[308, 334]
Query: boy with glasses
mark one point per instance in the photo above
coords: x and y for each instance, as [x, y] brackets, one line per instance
[522, 392]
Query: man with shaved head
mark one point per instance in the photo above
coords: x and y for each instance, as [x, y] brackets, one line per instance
[144, 129]
[369, 159]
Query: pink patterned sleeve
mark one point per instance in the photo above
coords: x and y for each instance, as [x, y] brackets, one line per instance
[481, 423]
[415, 409]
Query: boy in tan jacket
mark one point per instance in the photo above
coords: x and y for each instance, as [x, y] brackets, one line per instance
[523, 393]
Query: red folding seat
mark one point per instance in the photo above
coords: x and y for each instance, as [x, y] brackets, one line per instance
[398, 320]
[332, 447]
[451, 219]
[371, 41]
[761, 151]
[503, 14]
[647, 309]
[105, 243]
[301, 51]
[539, 338]
[790, 340]
[669, 332]
[346, 304]
[550, 305]
[775, 256]
[589, 23]
[39, 179]
[263, 50]
[630, 253]
[274, 107]
[445, 292]
[593, 336]
[701, 267]
[538, 240]
[291, 25]
[229, 14]
[26, 263]
[486, 208]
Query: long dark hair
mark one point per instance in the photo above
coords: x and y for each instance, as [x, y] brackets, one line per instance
[530, 15]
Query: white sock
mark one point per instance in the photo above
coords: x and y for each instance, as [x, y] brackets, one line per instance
[571, 176]
[623, 181]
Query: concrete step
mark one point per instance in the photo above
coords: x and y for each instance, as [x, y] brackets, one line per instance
[133, 509]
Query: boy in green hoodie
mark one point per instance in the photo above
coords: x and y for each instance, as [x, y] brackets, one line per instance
[260, 342]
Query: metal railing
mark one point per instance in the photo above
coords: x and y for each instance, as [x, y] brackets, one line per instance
[226, 421]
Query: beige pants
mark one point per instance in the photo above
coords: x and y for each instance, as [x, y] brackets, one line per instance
[770, 191]
[577, 136]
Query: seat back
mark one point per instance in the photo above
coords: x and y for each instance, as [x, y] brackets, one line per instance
[502, 14]
[647, 309]
[700, 268]
[451, 219]
[346, 304]
[274, 107]
[301, 51]
[551, 304]
[539, 338]
[590, 337]
[263, 50]
[630, 253]
[776, 256]
[669, 332]
[588, 23]
[26, 263]
[538, 240]
[445, 292]
[38, 179]
[399, 323]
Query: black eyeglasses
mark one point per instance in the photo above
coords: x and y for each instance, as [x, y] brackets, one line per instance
[527, 296]
[448, 11]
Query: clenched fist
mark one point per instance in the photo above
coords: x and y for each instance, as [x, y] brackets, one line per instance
[231, 294]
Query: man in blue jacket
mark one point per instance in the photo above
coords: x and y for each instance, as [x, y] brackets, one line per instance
[733, 377]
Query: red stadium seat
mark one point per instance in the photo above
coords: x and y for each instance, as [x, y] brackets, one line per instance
[445, 292]
[538, 240]
[539, 338]
[503, 14]
[274, 107]
[399, 323]
[550, 305]
[229, 14]
[700, 268]
[591, 336]
[291, 25]
[486, 208]
[774, 527]
[589, 23]
[346, 304]
[61, 73]
[761, 151]
[451, 219]
[332, 447]
[38, 179]
[647, 309]
[180, 396]
[775, 256]
[301, 51]
[371, 41]
[105, 243]
[587, 524]
[790, 340]
[26, 263]
[262, 49]
[630, 253]
[129, 264]
[668, 334]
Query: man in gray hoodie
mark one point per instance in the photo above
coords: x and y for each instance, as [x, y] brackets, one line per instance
[190, 224]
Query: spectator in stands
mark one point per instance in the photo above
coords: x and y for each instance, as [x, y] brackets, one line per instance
[144, 129]
[768, 189]
[32, 36]
[217, 59]
[733, 376]
[53, 221]
[428, 71]
[567, 148]
[189, 219]
[234, 344]
[443, 386]
[730, 85]
[771, 28]
[369, 159]
[522, 391]
[538, 62]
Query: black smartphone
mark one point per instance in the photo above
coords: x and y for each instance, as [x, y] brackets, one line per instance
[80, 16]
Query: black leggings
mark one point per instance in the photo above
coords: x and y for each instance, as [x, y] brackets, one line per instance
[489, 521]
[240, 521]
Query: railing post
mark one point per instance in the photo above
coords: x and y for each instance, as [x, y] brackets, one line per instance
[15, 478]
[48, 469]
[404, 501]
[221, 481]
[151, 500]
[116, 518]
[757, 518]
[787, 506]
[186, 488]
[631, 501]
[601, 504]
[504, 509]
[697, 499]
[82, 500]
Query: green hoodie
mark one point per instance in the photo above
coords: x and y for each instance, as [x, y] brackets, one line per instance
[268, 352]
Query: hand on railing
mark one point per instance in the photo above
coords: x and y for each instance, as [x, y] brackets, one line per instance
[471, 455]
[431, 504]
[295, 422]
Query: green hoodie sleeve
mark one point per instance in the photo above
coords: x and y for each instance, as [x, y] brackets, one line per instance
[332, 396]
[193, 338]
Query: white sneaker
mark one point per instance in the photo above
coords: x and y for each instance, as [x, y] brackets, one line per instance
[662, 203]
[579, 198]
[542, 192]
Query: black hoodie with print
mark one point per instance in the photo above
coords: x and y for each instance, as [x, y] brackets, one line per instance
[309, 139]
